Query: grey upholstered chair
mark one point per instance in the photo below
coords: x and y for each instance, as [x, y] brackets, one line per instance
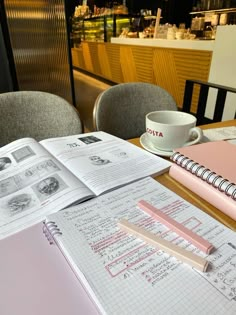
[39, 115]
[120, 110]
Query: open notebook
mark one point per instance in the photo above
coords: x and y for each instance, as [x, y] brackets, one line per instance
[123, 275]
[36, 279]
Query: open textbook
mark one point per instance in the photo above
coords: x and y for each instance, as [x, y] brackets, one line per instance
[38, 178]
[124, 275]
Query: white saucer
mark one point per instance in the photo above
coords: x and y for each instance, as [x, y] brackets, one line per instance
[149, 147]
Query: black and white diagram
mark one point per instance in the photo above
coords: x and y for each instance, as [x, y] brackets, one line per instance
[5, 162]
[48, 187]
[19, 203]
[89, 139]
[97, 160]
[23, 153]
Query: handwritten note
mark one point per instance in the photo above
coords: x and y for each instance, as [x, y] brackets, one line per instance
[215, 134]
[111, 261]
[223, 273]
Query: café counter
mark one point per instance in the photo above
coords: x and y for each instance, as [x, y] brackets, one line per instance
[167, 63]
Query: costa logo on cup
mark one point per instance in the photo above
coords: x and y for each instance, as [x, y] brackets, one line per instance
[155, 133]
[167, 130]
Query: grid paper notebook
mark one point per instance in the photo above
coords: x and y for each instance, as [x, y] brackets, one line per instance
[124, 275]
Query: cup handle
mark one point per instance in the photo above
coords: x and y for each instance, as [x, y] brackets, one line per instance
[194, 131]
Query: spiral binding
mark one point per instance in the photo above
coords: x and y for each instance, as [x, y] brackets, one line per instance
[50, 230]
[205, 174]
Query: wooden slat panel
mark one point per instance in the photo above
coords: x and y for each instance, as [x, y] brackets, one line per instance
[173, 66]
[113, 53]
[94, 56]
[127, 64]
[167, 67]
[78, 58]
[87, 57]
[143, 63]
[165, 73]
[191, 64]
[105, 67]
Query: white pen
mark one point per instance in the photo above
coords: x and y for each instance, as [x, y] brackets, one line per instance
[172, 249]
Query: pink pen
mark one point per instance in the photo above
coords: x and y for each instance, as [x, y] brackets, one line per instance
[177, 227]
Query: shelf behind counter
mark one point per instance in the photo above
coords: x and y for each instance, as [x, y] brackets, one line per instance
[167, 63]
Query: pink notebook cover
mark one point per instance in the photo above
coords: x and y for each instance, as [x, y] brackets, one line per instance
[218, 156]
[35, 278]
[204, 190]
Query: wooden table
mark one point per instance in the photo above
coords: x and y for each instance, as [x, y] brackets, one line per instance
[185, 193]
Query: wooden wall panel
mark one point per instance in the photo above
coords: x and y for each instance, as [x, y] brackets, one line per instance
[105, 67]
[143, 63]
[78, 58]
[165, 73]
[93, 57]
[113, 53]
[191, 64]
[173, 66]
[128, 64]
[167, 67]
[87, 57]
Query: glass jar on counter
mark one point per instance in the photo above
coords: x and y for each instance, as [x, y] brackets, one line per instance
[198, 23]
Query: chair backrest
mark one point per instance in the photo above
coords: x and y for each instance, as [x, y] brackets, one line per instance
[202, 99]
[39, 115]
[121, 109]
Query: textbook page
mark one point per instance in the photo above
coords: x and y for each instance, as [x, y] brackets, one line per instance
[32, 184]
[104, 162]
[126, 276]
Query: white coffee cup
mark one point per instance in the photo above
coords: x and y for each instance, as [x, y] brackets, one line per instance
[167, 130]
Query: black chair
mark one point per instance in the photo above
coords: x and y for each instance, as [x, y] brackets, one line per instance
[202, 100]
